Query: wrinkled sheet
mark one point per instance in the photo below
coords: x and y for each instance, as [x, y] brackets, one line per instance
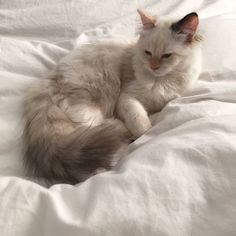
[178, 179]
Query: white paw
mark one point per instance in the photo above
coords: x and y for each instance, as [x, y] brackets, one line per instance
[139, 131]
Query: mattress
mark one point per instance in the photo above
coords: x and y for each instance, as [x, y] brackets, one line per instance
[177, 179]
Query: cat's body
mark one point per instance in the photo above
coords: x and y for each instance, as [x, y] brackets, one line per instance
[70, 128]
[71, 118]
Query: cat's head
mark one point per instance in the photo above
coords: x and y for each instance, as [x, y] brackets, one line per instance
[163, 44]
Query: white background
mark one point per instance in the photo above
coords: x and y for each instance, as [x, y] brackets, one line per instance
[179, 178]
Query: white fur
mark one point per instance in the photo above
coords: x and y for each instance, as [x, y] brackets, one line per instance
[145, 91]
[151, 90]
[134, 114]
[85, 114]
[96, 82]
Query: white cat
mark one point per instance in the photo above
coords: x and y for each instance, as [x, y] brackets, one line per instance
[72, 127]
[166, 61]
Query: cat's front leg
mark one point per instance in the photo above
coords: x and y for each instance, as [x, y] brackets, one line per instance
[133, 113]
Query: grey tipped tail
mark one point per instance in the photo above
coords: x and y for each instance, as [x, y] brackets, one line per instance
[74, 157]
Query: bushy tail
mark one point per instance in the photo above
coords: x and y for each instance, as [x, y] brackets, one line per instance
[70, 157]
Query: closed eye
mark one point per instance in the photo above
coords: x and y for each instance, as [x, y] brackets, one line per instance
[148, 53]
[166, 55]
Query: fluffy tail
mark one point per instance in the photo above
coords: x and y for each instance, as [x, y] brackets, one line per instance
[59, 152]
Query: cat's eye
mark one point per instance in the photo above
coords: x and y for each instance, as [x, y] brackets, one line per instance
[167, 55]
[148, 53]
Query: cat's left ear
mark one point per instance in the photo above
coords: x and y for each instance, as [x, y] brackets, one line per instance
[147, 20]
[186, 27]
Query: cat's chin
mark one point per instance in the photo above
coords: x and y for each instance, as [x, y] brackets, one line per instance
[157, 73]
[160, 74]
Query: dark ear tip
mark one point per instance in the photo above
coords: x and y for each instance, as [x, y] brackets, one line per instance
[193, 14]
[190, 21]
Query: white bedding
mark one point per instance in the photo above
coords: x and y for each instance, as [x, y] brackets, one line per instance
[178, 179]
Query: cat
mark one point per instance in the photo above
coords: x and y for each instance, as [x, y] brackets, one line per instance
[99, 97]
[166, 62]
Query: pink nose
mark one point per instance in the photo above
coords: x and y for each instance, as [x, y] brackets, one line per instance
[154, 67]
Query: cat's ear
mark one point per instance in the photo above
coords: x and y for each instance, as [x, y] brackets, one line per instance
[147, 20]
[186, 27]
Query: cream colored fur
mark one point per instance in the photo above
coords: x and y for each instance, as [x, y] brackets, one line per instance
[150, 90]
[72, 129]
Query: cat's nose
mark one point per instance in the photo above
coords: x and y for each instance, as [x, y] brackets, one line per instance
[154, 63]
[154, 67]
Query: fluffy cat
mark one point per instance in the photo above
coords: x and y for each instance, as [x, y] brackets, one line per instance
[74, 117]
[166, 61]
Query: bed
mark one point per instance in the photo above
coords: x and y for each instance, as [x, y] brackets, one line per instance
[178, 179]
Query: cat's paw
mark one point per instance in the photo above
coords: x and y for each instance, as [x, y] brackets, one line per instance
[140, 131]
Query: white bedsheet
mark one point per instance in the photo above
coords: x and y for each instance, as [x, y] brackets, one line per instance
[179, 178]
